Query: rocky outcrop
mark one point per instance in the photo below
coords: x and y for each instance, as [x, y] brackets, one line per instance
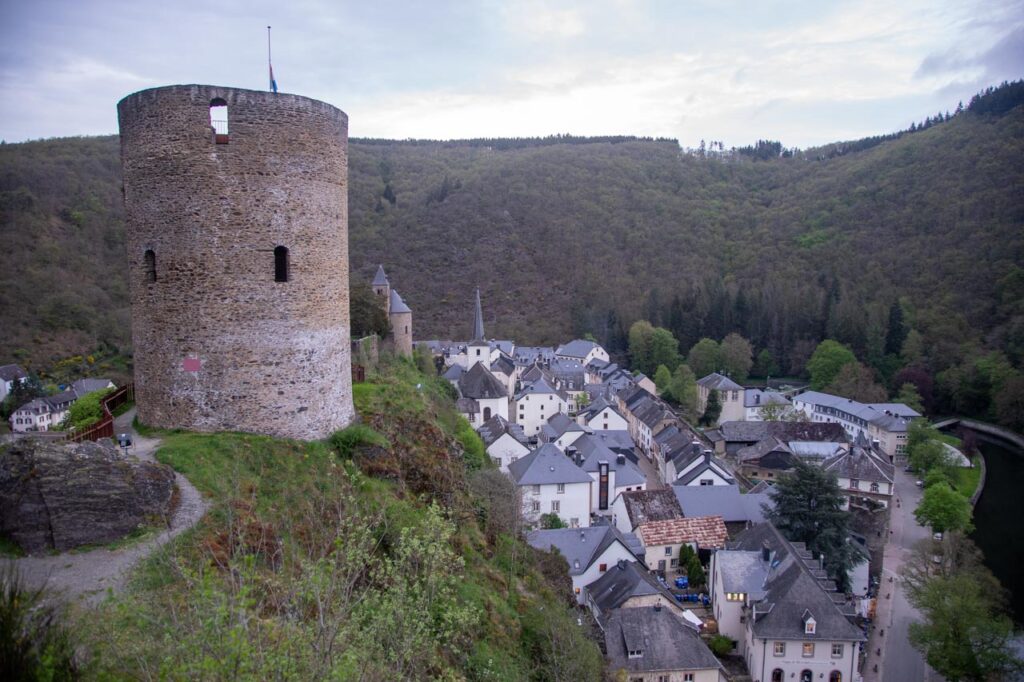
[57, 496]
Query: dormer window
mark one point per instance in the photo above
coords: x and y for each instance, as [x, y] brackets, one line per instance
[809, 623]
[636, 653]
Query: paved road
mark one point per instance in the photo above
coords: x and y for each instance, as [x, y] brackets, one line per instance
[88, 575]
[649, 470]
[900, 662]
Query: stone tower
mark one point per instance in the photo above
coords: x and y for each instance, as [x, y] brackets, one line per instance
[399, 314]
[236, 206]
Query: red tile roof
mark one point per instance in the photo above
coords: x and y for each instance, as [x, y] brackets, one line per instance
[706, 531]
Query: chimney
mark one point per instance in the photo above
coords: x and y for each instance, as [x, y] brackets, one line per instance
[622, 564]
[657, 606]
[766, 553]
[620, 459]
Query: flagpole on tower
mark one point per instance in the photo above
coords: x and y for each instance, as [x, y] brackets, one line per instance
[270, 66]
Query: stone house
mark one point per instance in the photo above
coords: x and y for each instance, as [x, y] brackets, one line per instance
[653, 644]
[730, 395]
[662, 540]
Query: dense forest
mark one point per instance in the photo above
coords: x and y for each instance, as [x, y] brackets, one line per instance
[907, 248]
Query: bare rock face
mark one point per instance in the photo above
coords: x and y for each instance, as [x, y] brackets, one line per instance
[58, 496]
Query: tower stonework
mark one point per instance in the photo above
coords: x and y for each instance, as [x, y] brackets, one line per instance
[237, 239]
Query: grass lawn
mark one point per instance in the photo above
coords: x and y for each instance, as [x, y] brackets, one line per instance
[966, 480]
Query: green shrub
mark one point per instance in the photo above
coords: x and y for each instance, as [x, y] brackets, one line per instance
[476, 453]
[33, 643]
[86, 411]
[347, 440]
[720, 645]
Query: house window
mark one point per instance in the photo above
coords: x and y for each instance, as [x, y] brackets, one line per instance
[574, 522]
[687, 677]
[219, 120]
[535, 506]
[835, 676]
[808, 650]
[673, 563]
[487, 413]
[874, 487]
[472, 417]
[777, 675]
[635, 653]
[601, 568]
[854, 484]
[837, 650]
[280, 264]
[149, 265]
[556, 506]
[780, 649]
[668, 551]
[707, 481]
[497, 461]
[561, 488]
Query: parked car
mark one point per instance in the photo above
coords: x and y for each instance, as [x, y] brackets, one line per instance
[937, 537]
[919, 483]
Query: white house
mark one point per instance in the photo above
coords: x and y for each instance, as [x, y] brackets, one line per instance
[535, 403]
[758, 402]
[704, 469]
[587, 551]
[885, 422]
[612, 473]
[786, 622]
[561, 430]
[654, 644]
[505, 442]
[633, 508]
[9, 376]
[582, 351]
[863, 474]
[601, 415]
[45, 414]
[488, 395]
[551, 483]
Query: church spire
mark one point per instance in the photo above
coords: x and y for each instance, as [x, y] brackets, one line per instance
[478, 321]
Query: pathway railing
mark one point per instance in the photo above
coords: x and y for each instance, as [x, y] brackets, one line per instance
[104, 428]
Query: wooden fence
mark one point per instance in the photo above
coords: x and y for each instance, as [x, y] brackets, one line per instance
[104, 428]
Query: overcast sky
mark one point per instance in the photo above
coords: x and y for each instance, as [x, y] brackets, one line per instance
[803, 73]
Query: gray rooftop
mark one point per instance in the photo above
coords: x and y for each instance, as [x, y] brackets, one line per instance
[577, 348]
[622, 581]
[380, 279]
[751, 432]
[665, 643]
[397, 304]
[478, 383]
[626, 473]
[756, 397]
[539, 387]
[719, 382]
[722, 500]
[580, 547]
[546, 465]
[478, 319]
[860, 463]
[643, 506]
[889, 416]
[12, 373]
[496, 427]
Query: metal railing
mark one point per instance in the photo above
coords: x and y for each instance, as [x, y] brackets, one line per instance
[104, 428]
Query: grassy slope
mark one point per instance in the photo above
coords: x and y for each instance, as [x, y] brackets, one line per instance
[308, 566]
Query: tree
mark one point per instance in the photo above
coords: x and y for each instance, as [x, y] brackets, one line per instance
[944, 509]
[713, 409]
[909, 396]
[664, 349]
[704, 358]
[766, 364]
[963, 635]
[85, 411]
[799, 355]
[827, 361]
[662, 378]
[366, 311]
[922, 381]
[683, 389]
[857, 382]
[21, 392]
[809, 508]
[690, 562]
[1009, 404]
[737, 357]
[551, 521]
[929, 455]
[897, 332]
[640, 335]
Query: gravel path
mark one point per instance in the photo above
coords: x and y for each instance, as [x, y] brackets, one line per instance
[88, 575]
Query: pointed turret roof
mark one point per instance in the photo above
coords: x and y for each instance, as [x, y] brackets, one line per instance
[478, 320]
[380, 279]
[397, 304]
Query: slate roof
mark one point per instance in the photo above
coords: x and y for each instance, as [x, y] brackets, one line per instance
[561, 424]
[380, 279]
[84, 386]
[454, 372]
[478, 319]
[643, 506]
[467, 406]
[397, 304]
[755, 397]
[579, 546]
[711, 463]
[707, 531]
[762, 448]
[626, 473]
[791, 590]
[722, 500]
[751, 432]
[651, 412]
[12, 373]
[528, 355]
[506, 346]
[619, 442]
[889, 416]
[861, 464]
[596, 407]
[478, 383]
[665, 643]
[815, 450]
[718, 382]
[503, 364]
[539, 387]
[546, 465]
[624, 580]
[577, 348]
[496, 427]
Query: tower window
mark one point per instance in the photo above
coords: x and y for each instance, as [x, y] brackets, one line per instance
[280, 264]
[219, 120]
[149, 265]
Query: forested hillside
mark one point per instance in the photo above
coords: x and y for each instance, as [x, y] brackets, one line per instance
[566, 236]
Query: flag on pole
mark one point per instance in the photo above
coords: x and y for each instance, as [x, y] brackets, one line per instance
[273, 83]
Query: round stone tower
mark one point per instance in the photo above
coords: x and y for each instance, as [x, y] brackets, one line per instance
[236, 205]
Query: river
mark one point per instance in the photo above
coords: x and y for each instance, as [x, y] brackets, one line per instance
[999, 530]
